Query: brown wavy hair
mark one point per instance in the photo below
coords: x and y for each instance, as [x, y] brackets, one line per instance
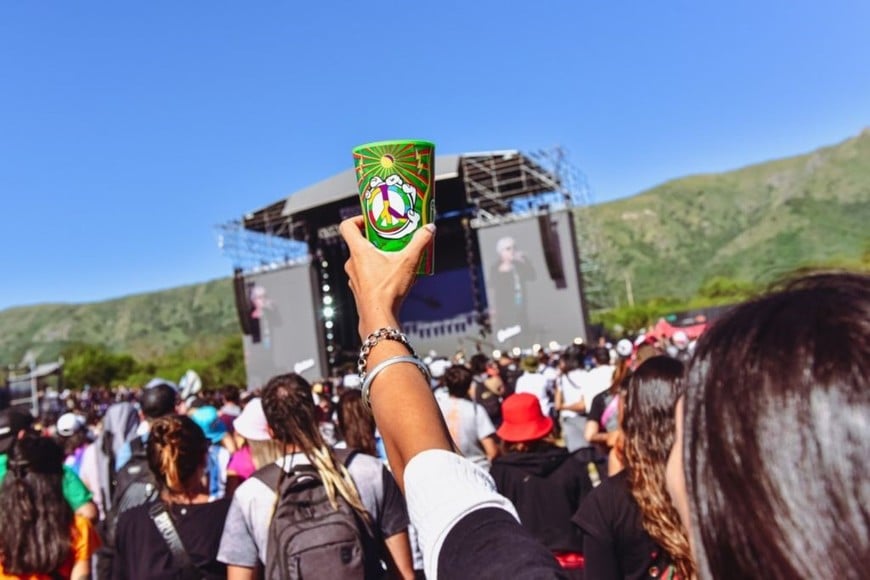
[649, 427]
[357, 423]
[177, 448]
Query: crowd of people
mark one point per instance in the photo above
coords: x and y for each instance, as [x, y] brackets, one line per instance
[744, 460]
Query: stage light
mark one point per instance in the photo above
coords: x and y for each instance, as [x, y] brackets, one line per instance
[328, 312]
[324, 264]
[330, 348]
[329, 336]
[327, 300]
[328, 324]
[326, 275]
[326, 287]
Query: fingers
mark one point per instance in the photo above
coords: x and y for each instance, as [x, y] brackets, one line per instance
[352, 231]
[421, 239]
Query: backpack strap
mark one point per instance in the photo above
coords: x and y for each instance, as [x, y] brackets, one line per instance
[137, 448]
[271, 474]
[180, 558]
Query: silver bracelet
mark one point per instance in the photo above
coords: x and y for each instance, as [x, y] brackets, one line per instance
[367, 384]
[386, 333]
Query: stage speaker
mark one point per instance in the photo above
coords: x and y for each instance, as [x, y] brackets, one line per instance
[552, 250]
[243, 303]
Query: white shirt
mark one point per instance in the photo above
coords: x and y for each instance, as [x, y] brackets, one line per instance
[595, 381]
[570, 385]
[536, 384]
[468, 423]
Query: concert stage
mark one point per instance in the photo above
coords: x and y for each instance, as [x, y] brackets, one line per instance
[507, 266]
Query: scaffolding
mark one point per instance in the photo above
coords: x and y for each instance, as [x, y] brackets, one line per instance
[254, 251]
[515, 186]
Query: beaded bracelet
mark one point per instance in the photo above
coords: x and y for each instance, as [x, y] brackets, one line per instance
[386, 333]
[367, 384]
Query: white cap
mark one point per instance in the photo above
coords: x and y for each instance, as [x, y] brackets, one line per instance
[438, 367]
[351, 381]
[69, 423]
[252, 424]
[624, 348]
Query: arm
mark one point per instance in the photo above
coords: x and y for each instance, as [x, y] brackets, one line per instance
[88, 510]
[489, 447]
[380, 281]
[81, 570]
[591, 432]
[241, 573]
[401, 562]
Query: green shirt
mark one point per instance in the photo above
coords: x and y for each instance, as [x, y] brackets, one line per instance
[74, 490]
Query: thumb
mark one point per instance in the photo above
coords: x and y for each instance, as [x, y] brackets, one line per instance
[421, 239]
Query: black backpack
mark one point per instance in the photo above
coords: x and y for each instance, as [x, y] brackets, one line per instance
[308, 538]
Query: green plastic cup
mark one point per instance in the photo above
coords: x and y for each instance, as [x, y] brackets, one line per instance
[396, 181]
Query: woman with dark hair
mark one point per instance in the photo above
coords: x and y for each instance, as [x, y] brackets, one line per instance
[775, 430]
[40, 537]
[177, 453]
[630, 526]
[356, 423]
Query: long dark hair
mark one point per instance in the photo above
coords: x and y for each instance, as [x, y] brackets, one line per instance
[37, 520]
[651, 394]
[176, 450]
[290, 411]
[356, 422]
[777, 434]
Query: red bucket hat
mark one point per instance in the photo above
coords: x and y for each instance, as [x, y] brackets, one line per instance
[523, 419]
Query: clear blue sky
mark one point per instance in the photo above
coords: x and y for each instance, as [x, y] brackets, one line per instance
[129, 129]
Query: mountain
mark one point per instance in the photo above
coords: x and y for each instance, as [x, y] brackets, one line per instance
[753, 224]
[144, 325]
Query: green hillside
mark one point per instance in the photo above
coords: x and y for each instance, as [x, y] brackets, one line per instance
[144, 325]
[753, 224]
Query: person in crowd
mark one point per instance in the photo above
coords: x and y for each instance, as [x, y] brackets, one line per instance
[257, 446]
[159, 398]
[231, 408]
[466, 529]
[208, 419]
[602, 427]
[542, 480]
[469, 425]
[177, 455]
[629, 524]
[535, 383]
[507, 281]
[487, 389]
[41, 537]
[356, 423]
[597, 379]
[569, 402]
[73, 436]
[15, 424]
[769, 470]
[364, 484]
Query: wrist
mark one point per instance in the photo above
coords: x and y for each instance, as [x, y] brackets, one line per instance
[375, 319]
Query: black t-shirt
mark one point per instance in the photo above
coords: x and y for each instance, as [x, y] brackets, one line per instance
[142, 553]
[490, 543]
[615, 545]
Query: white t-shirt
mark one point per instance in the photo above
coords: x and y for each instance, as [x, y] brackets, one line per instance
[537, 385]
[570, 385]
[468, 424]
[593, 382]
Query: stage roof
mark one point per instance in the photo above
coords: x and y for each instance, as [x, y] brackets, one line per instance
[498, 174]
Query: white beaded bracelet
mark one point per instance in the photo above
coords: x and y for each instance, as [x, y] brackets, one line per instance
[367, 384]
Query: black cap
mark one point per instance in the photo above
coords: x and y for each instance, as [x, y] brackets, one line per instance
[12, 422]
[158, 401]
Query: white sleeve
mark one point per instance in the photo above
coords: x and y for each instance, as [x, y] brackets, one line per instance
[441, 488]
[483, 424]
